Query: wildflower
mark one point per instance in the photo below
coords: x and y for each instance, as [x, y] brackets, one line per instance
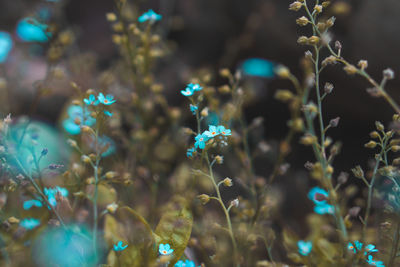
[29, 223]
[187, 263]
[305, 247]
[150, 16]
[227, 182]
[212, 131]
[371, 261]
[112, 208]
[191, 88]
[193, 109]
[106, 100]
[165, 249]
[324, 209]
[370, 248]
[258, 67]
[78, 117]
[189, 152]
[108, 113]
[119, 247]
[31, 30]
[222, 130]
[52, 192]
[32, 203]
[6, 44]
[318, 195]
[355, 246]
[91, 100]
[201, 140]
[204, 199]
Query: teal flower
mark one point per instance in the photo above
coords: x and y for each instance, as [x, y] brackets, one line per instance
[106, 100]
[119, 246]
[165, 249]
[186, 263]
[91, 100]
[370, 248]
[32, 203]
[318, 195]
[51, 194]
[31, 30]
[80, 114]
[190, 89]
[372, 262]
[324, 209]
[305, 247]
[201, 140]
[212, 131]
[193, 109]
[6, 44]
[29, 223]
[190, 151]
[150, 16]
[222, 130]
[258, 67]
[355, 246]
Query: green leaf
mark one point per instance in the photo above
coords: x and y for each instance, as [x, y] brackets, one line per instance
[175, 227]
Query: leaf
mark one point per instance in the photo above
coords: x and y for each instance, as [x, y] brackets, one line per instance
[175, 227]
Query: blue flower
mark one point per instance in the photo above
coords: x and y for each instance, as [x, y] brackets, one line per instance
[77, 113]
[6, 44]
[324, 209]
[107, 145]
[106, 100]
[190, 151]
[150, 15]
[190, 89]
[222, 130]
[372, 262]
[29, 223]
[370, 248]
[201, 140]
[108, 113]
[119, 246]
[187, 263]
[51, 194]
[32, 203]
[91, 100]
[165, 249]
[193, 109]
[212, 131]
[304, 247]
[318, 195]
[258, 67]
[30, 30]
[355, 246]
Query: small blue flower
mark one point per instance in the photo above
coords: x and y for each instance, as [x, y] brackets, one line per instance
[201, 140]
[193, 109]
[324, 209]
[370, 248]
[258, 67]
[51, 194]
[6, 44]
[187, 263]
[190, 151]
[150, 16]
[119, 246]
[91, 100]
[32, 203]
[318, 195]
[108, 113]
[165, 249]
[372, 262]
[29, 223]
[222, 130]
[77, 113]
[190, 89]
[305, 247]
[355, 246]
[31, 30]
[106, 100]
[212, 131]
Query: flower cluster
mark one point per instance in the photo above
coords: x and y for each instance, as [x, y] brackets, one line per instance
[203, 138]
[319, 196]
[304, 247]
[191, 89]
[357, 246]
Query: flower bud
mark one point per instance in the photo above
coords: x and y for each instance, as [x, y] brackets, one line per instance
[363, 64]
[334, 122]
[284, 95]
[313, 40]
[303, 40]
[112, 208]
[226, 73]
[302, 21]
[371, 144]
[295, 6]
[308, 139]
[358, 172]
[328, 88]
[379, 126]
[318, 9]
[111, 175]
[395, 148]
[388, 74]
[374, 134]
[219, 159]
[86, 159]
[350, 69]
[111, 17]
[235, 203]
[282, 71]
[204, 199]
[227, 182]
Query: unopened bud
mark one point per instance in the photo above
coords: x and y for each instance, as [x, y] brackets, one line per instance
[112, 208]
[204, 199]
[284, 95]
[313, 40]
[388, 74]
[318, 9]
[302, 21]
[295, 6]
[334, 122]
[371, 144]
[350, 69]
[358, 172]
[235, 203]
[227, 182]
[328, 88]
[282, 71]
[363, 64]
[379, 126]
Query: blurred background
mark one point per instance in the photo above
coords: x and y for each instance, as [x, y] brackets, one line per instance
[209, 34]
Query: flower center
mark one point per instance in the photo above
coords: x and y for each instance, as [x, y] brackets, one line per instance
[213, 133]
[106, 101]
[164, 252]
